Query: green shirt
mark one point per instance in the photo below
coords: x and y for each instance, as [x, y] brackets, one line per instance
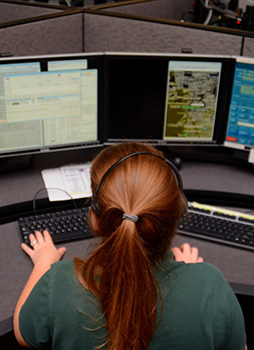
[200, 311]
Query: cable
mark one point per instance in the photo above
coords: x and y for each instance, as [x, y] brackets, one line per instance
[211, 7]
[67, 2]
[227, 13]
[208, 18]
[51, 188]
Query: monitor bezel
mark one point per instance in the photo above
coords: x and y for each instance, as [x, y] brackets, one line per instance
[224, 95]
[96, 61]
[237, 145]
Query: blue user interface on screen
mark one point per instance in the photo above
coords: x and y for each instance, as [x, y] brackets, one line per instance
[240, 128]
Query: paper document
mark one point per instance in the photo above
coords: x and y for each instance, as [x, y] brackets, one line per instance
[68, 182]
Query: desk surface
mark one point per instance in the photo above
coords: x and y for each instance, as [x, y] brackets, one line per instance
[196, 175]
[20, 186]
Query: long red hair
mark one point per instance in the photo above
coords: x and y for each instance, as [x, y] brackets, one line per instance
[120, 270]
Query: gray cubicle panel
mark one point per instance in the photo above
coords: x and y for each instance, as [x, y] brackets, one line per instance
[167, 9]
[248, 48]
[11, 10]
[52, 34]
[202, 39]
[115, 32]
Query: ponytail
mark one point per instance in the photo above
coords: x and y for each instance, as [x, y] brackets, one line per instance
[127, 288]
[119, 272]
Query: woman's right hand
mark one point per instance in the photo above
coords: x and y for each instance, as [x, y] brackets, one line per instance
[187, 254]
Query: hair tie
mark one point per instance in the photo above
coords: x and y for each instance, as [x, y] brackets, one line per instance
[132, 218]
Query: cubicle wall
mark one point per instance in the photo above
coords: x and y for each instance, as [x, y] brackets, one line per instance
[104, 32]
[11, 10]
[248, 47]
[104, 28]
[54, 34]
[156, 26]
[164, 9]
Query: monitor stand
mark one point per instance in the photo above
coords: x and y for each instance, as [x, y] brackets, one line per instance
[15, 163]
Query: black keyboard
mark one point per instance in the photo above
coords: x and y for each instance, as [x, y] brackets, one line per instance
[65, 225]
[202, 221]
[218, 225]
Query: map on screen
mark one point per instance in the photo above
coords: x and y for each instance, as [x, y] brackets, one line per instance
[191, 100]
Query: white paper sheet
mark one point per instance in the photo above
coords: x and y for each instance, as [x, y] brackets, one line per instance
[68, 182]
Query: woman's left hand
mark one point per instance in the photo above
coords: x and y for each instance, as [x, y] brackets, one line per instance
[43, 249]
[187, 254]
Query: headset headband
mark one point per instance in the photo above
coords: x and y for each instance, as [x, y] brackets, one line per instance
[172, 165]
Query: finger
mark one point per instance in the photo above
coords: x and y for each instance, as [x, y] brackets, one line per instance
[47, 236]
[186, 248]
[175, 250]
[33, 240]
[61, 251]
[194, 251]
[32, 237]
[27, 249]
[39, 237]
[200, 259]
[177, 253]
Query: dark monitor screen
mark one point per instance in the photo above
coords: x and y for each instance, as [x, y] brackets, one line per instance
[49, 103]
[167, 99]
[240, 128]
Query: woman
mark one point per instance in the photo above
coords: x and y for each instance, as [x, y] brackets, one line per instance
[133, 292]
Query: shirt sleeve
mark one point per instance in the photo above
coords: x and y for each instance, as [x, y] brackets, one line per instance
[34, 317]
[236, 336]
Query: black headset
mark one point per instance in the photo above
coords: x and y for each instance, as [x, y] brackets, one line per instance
[172, 166]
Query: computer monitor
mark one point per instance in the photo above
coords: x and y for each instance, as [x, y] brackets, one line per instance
[240, 127]
[167, 99]
[49, 103]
